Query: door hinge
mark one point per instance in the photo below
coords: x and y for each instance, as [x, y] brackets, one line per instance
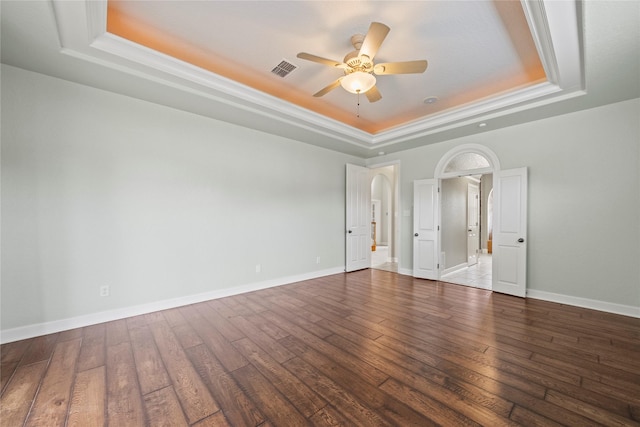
[438, 228]
[438, 267]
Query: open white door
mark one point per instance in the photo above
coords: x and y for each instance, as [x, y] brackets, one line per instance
[510, 232]
[426, 229]
[358, 218]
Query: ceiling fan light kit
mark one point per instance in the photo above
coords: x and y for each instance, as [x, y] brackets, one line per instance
[358, 82]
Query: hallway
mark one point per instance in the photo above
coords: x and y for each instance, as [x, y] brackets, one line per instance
[478, 276]
[380, 260]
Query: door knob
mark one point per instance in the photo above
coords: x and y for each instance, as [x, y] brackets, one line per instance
[521, 240]
[350, 231]
[416, 234]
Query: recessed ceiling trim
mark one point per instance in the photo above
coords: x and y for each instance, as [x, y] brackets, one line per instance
[471, 111]
[226, 90]
[534, 12]
[472, 121]
[554, 27]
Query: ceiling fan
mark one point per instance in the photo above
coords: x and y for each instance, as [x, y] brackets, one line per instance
[359, 68]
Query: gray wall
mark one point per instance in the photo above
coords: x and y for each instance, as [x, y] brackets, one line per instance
[454, 221]
[102, 189]
[584, 198]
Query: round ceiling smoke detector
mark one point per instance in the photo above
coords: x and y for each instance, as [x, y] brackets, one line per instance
[430, 99]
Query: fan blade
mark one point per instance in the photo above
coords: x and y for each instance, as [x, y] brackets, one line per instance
[408, 67]
[373, 94]
[374, 38]
[319, 59]
[328, 89]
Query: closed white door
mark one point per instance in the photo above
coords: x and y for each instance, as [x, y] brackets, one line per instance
[510, 232]
[473, 223]
[426, 229]
[358, 218]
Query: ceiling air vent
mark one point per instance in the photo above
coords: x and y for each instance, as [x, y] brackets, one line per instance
[283, 68]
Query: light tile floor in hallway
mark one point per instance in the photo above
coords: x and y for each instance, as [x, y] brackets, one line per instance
[380, 260]
[478, 275]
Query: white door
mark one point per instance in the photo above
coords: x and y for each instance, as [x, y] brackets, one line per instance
[510, 232]
[358, 218]
[473, 223]
[426, 229]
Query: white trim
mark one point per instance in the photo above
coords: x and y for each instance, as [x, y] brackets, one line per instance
[454, 269]
[535, 13]
[37, 329]
[466, 148]
[609, 307]
[473, 112]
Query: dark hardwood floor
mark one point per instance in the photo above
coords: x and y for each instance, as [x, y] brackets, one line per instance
[367, 348]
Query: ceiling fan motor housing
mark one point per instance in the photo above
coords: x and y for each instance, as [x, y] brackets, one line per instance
[357, 62]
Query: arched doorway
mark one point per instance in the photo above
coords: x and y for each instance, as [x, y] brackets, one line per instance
[466, 180]
[384, 208]
[509, 249]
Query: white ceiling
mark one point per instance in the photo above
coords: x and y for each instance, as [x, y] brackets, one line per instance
[480, 55]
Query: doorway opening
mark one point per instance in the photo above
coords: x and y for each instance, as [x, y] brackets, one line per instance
[384, 210]
[466, 176]
[465, 251]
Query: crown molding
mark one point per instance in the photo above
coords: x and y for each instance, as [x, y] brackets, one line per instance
[554, 25]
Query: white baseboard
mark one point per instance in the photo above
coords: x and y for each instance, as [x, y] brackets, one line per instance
[454, 268]
[30, 331]
[609, 307]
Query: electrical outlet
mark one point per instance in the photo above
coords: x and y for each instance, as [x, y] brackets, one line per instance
[104, 291]
[317, 260]
[258, 268]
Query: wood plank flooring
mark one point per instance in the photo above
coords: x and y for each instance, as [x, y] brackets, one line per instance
[370, 348]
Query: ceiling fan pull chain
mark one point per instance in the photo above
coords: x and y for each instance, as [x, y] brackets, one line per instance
[358, 107]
